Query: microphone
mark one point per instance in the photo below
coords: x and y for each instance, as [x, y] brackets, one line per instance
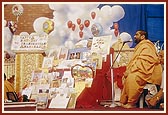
[126, 42]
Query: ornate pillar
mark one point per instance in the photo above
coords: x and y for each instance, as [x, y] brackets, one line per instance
[25, 63]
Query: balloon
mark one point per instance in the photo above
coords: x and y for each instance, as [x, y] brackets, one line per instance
[81, 26]
[116, 32]
[116, 26]
[24, 34]
[81, 34]
[48, 26]
[5, 23]
[33, 34]
[17, 10]
[73, 27]
[78, 21]
[87, 23]
[8, 36]
[69, 44]
[93, 15]
[126, 37]
[7, 55]
[117, 13]
[69, 24]
[96, 29]
[38, 25]
[12, 26]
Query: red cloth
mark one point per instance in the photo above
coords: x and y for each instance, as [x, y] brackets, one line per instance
[101, 86]
[117, 74]
[100, 90]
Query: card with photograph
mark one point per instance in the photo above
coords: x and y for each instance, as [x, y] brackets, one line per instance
[36, 76]
[55, 83]
[54, 52]
[101, 44]
[42, 101]
[63, 53]
[97, 58]
[76, 53]
[48, 62]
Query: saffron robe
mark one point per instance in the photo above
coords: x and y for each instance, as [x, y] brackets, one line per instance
[143, 67]
[8, 87]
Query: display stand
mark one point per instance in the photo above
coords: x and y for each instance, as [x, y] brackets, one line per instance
[29, 56]
[113, 104]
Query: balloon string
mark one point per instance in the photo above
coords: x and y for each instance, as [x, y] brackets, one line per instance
[17, 19]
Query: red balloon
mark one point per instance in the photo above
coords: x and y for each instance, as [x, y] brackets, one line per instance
[81, 26]
[69, 24]
[73, 27]
[81, 34]
[78, 21]
[116, 32]
[7, 55]
[87, 23]
[93, 14]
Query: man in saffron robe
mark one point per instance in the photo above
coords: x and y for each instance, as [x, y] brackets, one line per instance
[144, 67]
[8, 87]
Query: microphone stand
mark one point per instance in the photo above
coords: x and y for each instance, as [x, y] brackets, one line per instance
[112, 77]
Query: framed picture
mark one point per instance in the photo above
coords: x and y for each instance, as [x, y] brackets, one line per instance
[42, 101]
[54, 52]
[76, 53]
[63, 53]
[55, 83]
[101, 44]
[98, 59]
[48, 62]
[36, 75]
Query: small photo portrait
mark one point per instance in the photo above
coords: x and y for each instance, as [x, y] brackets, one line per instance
[72, 56]
[64, 80]
[36, 76]
[55, 83]
[48, 62]
[78, 55]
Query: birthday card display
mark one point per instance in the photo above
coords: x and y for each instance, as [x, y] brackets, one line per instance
[75, 70]
[29, 43]
[48, 62]
[101, 44]
[77, 53]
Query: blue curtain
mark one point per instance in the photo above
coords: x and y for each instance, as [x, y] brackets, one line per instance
[148, 17]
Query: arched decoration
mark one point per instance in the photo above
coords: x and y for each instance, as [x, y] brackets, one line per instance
[82, 74]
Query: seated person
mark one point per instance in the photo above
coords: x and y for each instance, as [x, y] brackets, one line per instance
[143, 68]
[158, 97]
[8, 87]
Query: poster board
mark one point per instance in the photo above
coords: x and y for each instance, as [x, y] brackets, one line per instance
[29, 43]
[101, 44]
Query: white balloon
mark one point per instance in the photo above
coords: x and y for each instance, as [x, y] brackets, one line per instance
[117, 13]
[69, 44]
[33, 34]
[5, 23]
[106, 11]
[7, 39]
[24, 34]
[51, 6]
[57, 7]
[38, 24]
[7, 34]
[82, 43]
[126, 37]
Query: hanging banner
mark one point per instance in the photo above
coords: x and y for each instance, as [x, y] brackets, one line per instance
[29, 43]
